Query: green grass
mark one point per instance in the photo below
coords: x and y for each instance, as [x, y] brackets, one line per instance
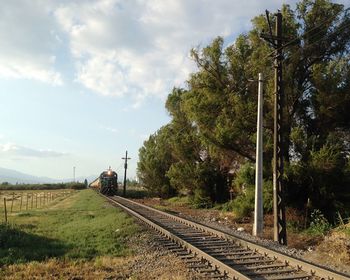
[82, 226]
[133, 192]
[179, 201]
[31, 199]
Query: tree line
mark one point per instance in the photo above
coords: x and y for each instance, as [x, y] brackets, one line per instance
[48, 186]
[208, 147]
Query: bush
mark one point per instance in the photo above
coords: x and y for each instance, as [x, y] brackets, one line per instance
[179, 200]
[319, 224]
[226, 207]
[243, 205]
[245, 175]
[201, 199]
[244, 183]
[268, 196]
[75, 186]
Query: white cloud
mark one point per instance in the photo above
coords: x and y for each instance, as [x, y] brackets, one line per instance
[110, 129]
[11, 149]
[27, 40]
[137, 48]
[140, 48]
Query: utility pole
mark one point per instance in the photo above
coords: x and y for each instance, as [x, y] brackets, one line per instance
[125, 168]
[258, 212]
[74, 174]
[280, 231]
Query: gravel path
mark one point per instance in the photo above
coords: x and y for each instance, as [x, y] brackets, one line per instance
[153, 261]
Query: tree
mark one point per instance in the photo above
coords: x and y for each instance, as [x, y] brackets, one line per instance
[213, 122]
[154, 161]
[222, 102]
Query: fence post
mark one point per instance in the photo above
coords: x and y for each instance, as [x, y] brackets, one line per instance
[32, 197]
[5, 210]
[13, 198]
[20, 206]
[27, 202]
[36, 200]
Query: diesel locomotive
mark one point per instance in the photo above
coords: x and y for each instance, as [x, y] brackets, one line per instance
[106, 183]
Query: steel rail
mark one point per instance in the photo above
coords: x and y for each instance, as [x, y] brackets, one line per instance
[227, 269]
[308, 267]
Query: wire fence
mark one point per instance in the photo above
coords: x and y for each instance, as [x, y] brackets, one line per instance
[15, 202]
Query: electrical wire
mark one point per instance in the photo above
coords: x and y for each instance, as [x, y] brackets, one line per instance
[298, 38]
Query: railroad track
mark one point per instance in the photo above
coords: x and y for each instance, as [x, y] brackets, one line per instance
[220, 255]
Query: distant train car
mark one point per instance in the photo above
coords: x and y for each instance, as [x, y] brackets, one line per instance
[106, 183]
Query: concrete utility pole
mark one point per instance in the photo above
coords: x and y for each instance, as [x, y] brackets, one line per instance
[258, 212]
[280, 231]
[125, 168]
[74, 174]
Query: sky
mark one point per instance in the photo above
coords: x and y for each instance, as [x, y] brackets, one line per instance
[82, 81]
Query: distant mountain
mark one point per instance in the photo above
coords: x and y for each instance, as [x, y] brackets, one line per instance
[13, 177]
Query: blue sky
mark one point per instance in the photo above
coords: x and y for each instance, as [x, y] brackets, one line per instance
[82, 81]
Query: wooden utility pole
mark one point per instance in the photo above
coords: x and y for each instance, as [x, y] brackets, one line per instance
[258, 210]
[280, 231]
[125, 168]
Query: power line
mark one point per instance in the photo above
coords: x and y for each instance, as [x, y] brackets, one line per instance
[298, 38]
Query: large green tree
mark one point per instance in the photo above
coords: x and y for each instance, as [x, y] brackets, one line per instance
[155, 160]
[194, 172]
[214, 119]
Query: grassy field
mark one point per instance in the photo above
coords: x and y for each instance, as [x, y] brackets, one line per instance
[80, 227]
[19, 201]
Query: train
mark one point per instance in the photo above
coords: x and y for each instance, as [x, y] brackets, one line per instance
[106, 183]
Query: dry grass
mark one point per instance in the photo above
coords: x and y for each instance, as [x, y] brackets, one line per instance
[141, 267]
[100, 268]
[20, 201]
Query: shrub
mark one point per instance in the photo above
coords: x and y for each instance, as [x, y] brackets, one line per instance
[319, 224]
[226, 207]
[75, 186]
[179, 200]
[201, 199]
[268, 196]
[243, 205]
